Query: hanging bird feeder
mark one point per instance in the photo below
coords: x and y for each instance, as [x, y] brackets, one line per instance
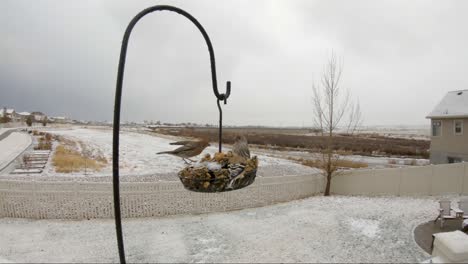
[223, 172]
[220, 173]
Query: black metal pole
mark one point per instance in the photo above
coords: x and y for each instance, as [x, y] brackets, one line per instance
[118, 99]
[220, 137]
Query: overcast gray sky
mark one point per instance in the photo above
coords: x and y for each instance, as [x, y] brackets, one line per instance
[400, 58]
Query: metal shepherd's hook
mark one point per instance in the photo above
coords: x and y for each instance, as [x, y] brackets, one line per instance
[118, 97]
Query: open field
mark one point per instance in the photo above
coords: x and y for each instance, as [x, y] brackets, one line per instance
[138, 155]
[295, 139]
[282, 151]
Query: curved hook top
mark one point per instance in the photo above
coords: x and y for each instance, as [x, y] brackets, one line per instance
[131, 25]
[118, 99]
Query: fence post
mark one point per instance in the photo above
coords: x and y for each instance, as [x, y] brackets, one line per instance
[34, 202]
[374, 181]
[400, 179]
[432, 180]
[465, 174]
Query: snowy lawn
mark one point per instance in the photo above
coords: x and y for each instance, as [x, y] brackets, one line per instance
[138, 154]
[318, 229]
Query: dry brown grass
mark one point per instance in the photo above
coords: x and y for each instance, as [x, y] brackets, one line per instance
[341, 163]
[45, 142]
[67, 160]
[346, 144]
[44, 145]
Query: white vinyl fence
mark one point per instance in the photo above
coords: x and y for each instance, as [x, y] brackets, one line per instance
[424, 180]
[81, 200]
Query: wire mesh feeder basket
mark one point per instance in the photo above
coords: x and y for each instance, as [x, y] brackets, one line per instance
[221, 173]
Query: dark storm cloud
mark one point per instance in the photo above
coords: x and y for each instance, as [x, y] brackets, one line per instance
[400, 57]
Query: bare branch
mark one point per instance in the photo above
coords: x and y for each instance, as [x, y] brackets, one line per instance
[331, 105]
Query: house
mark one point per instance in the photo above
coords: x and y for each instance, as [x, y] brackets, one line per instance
[449, 122]
[23, 115]
[60, 119]
[10, 113]
[38, 116]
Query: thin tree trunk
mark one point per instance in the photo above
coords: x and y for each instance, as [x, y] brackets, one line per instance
[327, 188]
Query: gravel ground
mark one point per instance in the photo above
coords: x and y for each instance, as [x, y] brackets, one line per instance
[317, 229]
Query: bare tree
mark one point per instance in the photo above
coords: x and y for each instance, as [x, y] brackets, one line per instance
[333, 108]
[44, 121]
[29, 120]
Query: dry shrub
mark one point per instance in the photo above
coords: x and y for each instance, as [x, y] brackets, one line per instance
[341, 163]
[44, 145]
[48, 137]
[410, 162]
[67, 160]
[35, 133]
[66, 142]
[101, 159]
[351, 164]
[275, 139]
[45, 142]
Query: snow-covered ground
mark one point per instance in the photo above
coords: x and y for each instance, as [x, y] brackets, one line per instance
[138, 154]
[421, 132]
[372, 162]
[12, 146]
[317, 229]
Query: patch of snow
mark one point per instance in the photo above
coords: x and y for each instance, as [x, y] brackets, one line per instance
[318, 229]
[367, 227]
[213, 166]
[138, 154]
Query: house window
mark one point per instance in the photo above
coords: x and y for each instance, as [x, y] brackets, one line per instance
[458, 127]
[436, 128]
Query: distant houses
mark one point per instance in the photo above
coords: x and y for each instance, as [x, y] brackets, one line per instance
[449, 122]
[10, 115]
[38, 116]
[24, 115]
[61, 120]
[13, 116]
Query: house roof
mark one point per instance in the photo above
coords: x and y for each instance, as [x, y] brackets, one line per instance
[8, 111]
[453, 105]
[24, 113]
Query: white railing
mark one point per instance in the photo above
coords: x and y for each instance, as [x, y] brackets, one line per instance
[81, 200]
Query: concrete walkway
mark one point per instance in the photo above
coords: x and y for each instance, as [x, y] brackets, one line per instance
[423, 233]
[12, 146]
[5, 132]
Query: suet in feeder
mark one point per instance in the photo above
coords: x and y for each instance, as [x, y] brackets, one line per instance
[223, 172]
